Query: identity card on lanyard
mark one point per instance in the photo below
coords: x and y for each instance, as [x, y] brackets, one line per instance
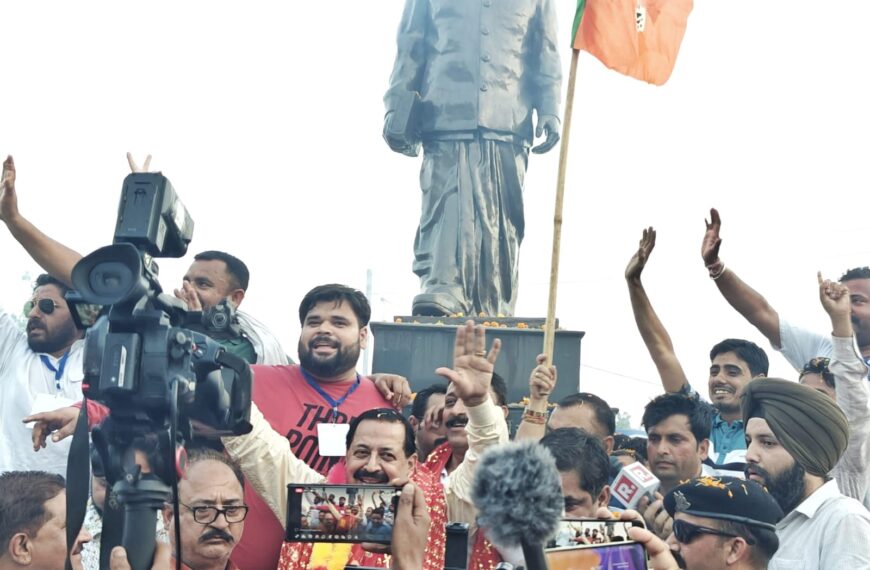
[331, 437]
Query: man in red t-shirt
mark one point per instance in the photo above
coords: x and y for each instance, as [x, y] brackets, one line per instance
[324, 389]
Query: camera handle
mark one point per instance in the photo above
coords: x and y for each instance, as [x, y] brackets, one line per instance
[142, 496]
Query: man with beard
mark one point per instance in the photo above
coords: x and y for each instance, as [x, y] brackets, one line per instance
[733, 364]
[40, 369]
[213, 511]
[723, 523]
[380, 449]
[214, 279]
[795, 436]
[306, 402]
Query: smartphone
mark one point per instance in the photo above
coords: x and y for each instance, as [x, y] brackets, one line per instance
[341, 513]
[592, 544]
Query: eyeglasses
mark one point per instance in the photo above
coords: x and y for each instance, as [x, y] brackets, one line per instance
[46, 306]
[207, 515]
[817, 365]
[686, 532]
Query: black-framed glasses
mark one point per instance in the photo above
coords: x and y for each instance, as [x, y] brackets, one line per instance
[46, 306]
[686, 532]
[207, 515]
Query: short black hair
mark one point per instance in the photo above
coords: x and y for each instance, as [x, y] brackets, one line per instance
[766, 541]
[578, 450]
[632, 446]
[499, 388]
[385, 415]
[421, 400]
[22, 502]
[603, 412]
[662, 407]
[855, 273]
[746, 350]
[819, 365]
[236, 268]
[46, 279]
[337, 293]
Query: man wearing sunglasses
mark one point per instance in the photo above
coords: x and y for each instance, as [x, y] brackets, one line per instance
[723, 522]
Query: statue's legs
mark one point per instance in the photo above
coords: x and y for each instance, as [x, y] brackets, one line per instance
[467, 245]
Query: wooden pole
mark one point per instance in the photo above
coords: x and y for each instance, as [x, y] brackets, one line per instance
[550, 325]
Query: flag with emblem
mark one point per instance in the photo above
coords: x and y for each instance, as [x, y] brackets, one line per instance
[638, 38]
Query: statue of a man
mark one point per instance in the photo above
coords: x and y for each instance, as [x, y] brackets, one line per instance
[467, 76]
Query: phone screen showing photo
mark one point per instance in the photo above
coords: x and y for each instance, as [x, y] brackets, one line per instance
[341, 513]
[587, 544]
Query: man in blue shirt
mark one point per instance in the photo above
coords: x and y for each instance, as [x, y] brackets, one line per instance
[733, 363]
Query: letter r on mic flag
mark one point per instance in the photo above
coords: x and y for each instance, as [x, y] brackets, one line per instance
[638, 38]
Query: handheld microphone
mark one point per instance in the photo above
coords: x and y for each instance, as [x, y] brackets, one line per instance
[518, 493]
[633, 482]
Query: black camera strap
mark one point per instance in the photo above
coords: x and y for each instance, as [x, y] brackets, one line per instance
[78, 473]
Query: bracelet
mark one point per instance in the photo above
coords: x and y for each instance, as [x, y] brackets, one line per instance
[712, 268]
[534, 417]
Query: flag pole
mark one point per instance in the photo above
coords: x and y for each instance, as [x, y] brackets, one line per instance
[550, 324]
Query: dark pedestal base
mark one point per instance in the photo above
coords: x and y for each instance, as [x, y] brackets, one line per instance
[415, 350]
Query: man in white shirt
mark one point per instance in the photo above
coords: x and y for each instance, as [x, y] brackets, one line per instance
[795, 436]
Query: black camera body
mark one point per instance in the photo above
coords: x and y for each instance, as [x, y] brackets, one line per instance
[143, 361]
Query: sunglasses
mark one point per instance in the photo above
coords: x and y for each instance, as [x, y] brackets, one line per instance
[46, 306]
[686, 532]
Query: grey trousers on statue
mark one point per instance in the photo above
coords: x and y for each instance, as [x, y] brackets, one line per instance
[467, 246]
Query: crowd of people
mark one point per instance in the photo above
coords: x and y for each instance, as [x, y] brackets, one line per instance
[762, 473]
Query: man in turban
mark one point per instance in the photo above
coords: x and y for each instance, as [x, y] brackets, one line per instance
[795, 436]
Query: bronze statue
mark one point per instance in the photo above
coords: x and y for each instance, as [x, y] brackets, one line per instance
[467, 76]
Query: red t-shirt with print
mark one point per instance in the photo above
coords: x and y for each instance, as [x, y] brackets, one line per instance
[293, 408]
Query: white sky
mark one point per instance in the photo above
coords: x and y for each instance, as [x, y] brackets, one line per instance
[267, 116]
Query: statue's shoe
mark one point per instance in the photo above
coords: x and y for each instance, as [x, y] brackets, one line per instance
[435, 305]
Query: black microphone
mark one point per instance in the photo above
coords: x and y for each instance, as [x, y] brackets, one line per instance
[518, 494]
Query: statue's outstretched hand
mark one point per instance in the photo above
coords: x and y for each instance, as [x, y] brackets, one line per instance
[547, 125]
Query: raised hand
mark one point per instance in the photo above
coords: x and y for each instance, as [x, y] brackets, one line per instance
[8, 200]
[547, 125]
[542, 381]
[834, 297]
[472, 370]
[712, 241]
[644, 249]
[134, 167]
[188, 294]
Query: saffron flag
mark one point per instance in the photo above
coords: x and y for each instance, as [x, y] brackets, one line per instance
[638, 38]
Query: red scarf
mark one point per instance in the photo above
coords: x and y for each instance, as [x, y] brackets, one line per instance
[484, 555]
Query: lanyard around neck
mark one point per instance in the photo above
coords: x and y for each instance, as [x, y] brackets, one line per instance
[334, 404]
[58, 372]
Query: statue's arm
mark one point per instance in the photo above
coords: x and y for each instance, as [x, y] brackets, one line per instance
[546, 67]
[410, 53]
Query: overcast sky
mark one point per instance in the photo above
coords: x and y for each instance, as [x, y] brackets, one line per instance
[267, 117]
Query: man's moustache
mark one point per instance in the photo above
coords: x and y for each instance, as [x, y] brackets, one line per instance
[457, 421]
[33, 324]
[376, 476]
[216, 533]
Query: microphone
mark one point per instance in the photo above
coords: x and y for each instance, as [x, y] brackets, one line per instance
[633, 482]
[518, 494]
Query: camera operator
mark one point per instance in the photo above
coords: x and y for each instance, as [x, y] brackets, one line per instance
[40, 366]
[215, 284]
